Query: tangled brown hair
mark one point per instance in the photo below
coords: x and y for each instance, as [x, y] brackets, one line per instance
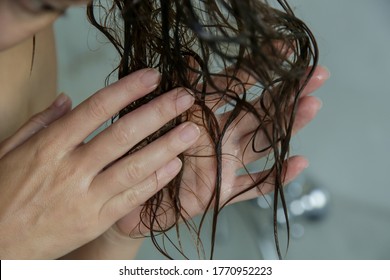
[190, 42]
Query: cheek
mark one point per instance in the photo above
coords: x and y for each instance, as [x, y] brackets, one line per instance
[17, 25]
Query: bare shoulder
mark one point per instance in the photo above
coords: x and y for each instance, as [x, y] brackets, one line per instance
[28, 79]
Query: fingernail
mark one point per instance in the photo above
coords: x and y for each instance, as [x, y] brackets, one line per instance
[320, 103]
[184, 99]
[324, 74]
[173, 166]
[150, 78]
[189, 133]
[60, 100]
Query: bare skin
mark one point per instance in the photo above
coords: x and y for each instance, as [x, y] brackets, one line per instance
[48, 174]
[23, 92]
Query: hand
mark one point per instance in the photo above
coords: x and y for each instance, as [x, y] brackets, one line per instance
[58, 193]
[199, 172]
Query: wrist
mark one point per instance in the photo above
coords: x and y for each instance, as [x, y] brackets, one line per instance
[15, 244]
[113, 244]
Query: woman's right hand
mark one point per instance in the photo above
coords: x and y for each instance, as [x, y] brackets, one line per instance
[58, 193]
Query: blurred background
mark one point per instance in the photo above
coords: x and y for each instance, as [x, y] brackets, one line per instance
[340, 207]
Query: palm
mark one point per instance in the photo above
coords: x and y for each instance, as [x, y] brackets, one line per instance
[200, 173]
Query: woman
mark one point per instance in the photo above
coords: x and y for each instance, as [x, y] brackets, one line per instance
[54, 198]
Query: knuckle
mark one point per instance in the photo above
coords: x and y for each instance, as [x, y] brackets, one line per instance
[121, 135]
[97, 109]
[134, 172]
[131, 197]
[165, 107]
[45, 150]
[39, 119]
[72, 171]
[160, 110]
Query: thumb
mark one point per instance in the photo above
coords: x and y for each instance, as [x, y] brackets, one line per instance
[56, 110]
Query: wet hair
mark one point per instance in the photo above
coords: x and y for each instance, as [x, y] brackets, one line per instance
[195, 44]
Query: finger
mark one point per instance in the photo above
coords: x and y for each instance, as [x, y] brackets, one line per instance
[131, 198]
[57, 109]
[247, 122]
[100, 107]
[236, 80]
[317, 79]
[138, 166]
[293, 167]
[320, 76]
[308, 108]
[135, 126]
